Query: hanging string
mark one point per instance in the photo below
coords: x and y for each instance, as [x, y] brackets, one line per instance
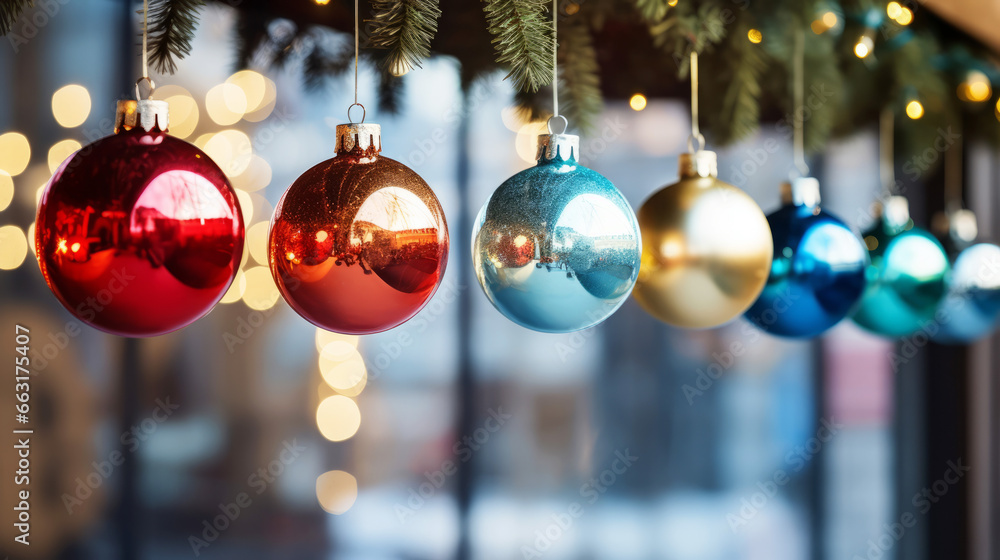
[798, 93]
[555, 73]
[357, 50]
[887, 171]
[145, 54]
[953, 176]
[696, 137]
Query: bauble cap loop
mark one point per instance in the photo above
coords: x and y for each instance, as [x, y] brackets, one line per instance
[802, 191]
[564, 146]
[702, 163]
[897, 212]
[366, 137]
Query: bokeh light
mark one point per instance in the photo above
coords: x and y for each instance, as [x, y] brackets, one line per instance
[256, 241]
[60, 151]
[266, 105]
[230, 150]
[324, 337]
[905, 16]
[755, 36]
[893, 9]
[255, 177]
[637, 102]
[184, 113]
[914, 109]
[347, 377]
[526, 143]
[226, 104]
[15, 153]
[6, 190]
[260, 292]
[253, 85]
[31, 238]
[71, 105]
[236, 289]
[246, 206]
[338, 418]
[13, 247]
[863, 47]
[976, 88]
[336, 491]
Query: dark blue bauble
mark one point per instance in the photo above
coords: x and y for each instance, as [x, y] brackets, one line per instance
[817, 274]
[971, 306]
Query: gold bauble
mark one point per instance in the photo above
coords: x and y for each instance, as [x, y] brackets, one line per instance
[706, 248]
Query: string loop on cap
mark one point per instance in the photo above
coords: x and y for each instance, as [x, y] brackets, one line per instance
[364, 113]
[565, 122]
[152, 88]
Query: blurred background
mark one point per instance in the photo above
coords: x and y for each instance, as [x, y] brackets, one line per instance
[247, 434]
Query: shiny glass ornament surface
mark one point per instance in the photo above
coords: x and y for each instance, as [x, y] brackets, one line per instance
[359, 243]
[818, 268]
[706, 248]
[139, 233]
[970, 308]
[906, 277]
[556, 247]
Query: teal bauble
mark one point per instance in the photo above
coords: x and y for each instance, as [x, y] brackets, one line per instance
[906, 278]
[556, 248]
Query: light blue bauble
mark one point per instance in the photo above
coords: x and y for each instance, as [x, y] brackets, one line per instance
[971, 305]
[556, 248]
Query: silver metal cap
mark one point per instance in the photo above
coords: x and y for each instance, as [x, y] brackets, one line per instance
[897, 211]
[802, 191]
[365, 137]
[564, 146]
[147, 114]
[702, 163]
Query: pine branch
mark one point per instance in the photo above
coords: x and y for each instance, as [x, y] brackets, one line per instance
[688, 28]
[320, 65]
[522, 39]
[581, 82]
[249, 34]
[405, 28]
[737, 113]
[10, 10]
[172, 24]
[532, 106]
[652, 10]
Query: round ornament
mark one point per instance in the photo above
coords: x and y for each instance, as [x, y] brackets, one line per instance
[706, 248]
[968, 311]
[139, 233]
[358, 244]
[906, 277]
[556, 247]
[818, 269]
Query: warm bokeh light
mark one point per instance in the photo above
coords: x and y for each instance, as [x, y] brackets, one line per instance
[230, 150]
[15, 153]
[71, 105]
[226, 104]
[6, 190]
[336, 490]
[236, 289]
[246, 206]
[266, 105]
[893, 9]
[60, 151]
[256, 240]
[255, 177]
[348, 376]
[338, 418]
[914, 109]
[863, 47]
[526, 143]
[755, 36]
[905, 16]
[322, 2]
[13, 247]
[254, 88]
[324, 337]
[260, 292]
[335, 352]
[830, 19]
[38, 193]
[671, 3]
[31, 238]
[184, 113]
[637, 102]
[976, 88]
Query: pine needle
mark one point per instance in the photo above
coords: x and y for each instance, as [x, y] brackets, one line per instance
[405, 28]
[10, 10]
[522, 39]
[172, 24]
[581, 82]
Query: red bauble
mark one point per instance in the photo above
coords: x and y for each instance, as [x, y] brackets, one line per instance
[140, 233]
[358, 243]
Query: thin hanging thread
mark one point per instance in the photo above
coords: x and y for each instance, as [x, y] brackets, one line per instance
[145, 39]
[555, 59]
[356, 49]
[695, 130]
[886, 155]
[799, 93]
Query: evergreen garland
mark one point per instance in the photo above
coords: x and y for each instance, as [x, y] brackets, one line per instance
[10, 11]
[171, 29]
[580, 82]
[523, 40]
[405, 28]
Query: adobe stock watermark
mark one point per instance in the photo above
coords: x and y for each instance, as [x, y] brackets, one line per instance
[750, 334]
[795, 461]
[590, 492]
[131, 439]
[922, 502]
[462, 451]
[257, 483]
